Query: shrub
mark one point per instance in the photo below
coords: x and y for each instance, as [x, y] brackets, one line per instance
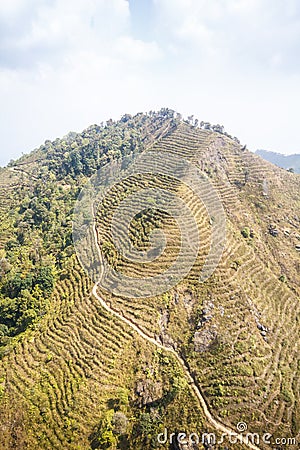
[246, 233]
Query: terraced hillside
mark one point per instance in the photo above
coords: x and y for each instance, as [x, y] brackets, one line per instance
[91, 369]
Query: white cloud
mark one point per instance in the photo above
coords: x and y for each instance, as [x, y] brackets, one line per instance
[137, 50]
[67, 63]
[10, 8]
[192, 29]
[54, 29]
[74, 64]
[239, 33]
[244, 7]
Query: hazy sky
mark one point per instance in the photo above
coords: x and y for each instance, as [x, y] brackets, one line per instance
[66, 64]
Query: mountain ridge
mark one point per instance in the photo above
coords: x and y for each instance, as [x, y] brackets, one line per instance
[288, 162]
[70, 371]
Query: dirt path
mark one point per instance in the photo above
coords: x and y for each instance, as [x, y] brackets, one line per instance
[215, 423]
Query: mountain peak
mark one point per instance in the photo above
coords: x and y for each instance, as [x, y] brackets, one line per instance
[85, 368]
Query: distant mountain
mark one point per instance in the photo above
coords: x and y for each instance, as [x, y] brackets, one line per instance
[284, 161]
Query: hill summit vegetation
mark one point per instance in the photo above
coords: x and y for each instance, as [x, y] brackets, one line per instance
[76, 375]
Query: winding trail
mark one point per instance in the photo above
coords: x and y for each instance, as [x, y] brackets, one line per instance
[192, 382]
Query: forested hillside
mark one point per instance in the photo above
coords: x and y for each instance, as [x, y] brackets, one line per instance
[77, 375]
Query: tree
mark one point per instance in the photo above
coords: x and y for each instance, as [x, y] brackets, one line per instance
[103, 437]
[45, 279]
[246, 232]
[190, 119]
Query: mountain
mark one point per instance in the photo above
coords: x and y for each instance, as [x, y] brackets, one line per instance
[284, 161]
[85, 367]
